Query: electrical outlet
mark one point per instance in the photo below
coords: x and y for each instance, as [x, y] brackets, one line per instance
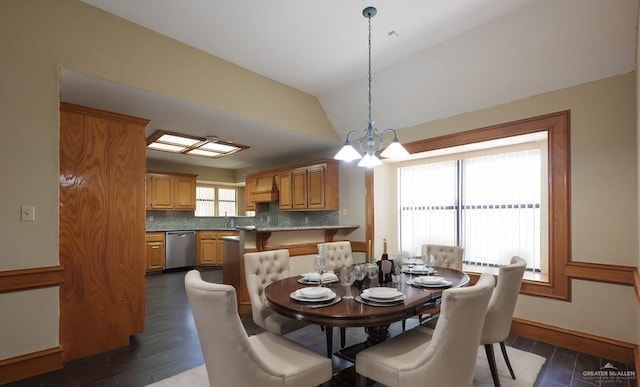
[28, 213]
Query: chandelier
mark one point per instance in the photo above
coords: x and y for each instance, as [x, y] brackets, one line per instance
[371, 141]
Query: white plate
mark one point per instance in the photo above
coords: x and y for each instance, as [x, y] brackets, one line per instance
[369, 297]
[314, 292]
[418, 270]
[442, 284]
[382, 293]
[376, 302]
[429, 280]
[299, 297]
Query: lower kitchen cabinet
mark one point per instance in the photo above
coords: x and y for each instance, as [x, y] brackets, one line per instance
[155, 251]
[209, 247]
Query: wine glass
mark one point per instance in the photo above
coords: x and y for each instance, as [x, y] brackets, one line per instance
[428, 261]
[361, 272]
[347, 278]
[318, 264]
[396, 272]
[372, 273]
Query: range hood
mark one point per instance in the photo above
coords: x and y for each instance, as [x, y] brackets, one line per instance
[266, 190]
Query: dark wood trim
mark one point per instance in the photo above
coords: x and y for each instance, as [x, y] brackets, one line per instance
[31, 364]
[557, 126]
[636, 287]
[70, 107]
[583, 342]
[369, 211]
[33, 278]
[599, 272]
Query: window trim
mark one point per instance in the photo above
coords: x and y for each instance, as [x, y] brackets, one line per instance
[217, 186]
[557, 126]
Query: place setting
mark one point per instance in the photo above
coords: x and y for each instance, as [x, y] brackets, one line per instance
[316, 296]
[430, 281]
[381, 296]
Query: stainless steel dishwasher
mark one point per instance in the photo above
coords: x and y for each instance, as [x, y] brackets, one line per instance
[180, 249]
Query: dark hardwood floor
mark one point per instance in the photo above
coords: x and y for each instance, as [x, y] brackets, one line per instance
[169, 345]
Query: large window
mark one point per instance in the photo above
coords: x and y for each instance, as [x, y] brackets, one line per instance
[214, 200]
[488, 201]
[556, 217]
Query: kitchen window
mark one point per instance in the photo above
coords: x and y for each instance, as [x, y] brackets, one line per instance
[216, 200]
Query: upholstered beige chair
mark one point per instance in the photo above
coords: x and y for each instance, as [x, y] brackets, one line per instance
[232, 358]
[442, 357]
[261, 269]
[497, 323]
[444, 256]
[336, 256]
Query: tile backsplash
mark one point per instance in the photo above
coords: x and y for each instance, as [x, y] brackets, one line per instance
[186, 220]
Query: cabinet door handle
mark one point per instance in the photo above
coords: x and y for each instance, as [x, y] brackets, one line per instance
[155, 247]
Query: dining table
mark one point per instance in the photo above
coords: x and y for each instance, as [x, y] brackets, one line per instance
[375, 318]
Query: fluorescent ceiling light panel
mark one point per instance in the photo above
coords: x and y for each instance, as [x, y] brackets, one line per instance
[190, 145]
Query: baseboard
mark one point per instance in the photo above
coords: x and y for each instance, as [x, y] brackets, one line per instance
[31, 364]
[582, 342]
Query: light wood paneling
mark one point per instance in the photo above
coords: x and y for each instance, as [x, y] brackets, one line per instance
[102, 236]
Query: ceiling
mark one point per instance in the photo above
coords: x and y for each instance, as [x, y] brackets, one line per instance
[445, 58]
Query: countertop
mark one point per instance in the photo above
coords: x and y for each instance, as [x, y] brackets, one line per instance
[153, 229]
[296, 228]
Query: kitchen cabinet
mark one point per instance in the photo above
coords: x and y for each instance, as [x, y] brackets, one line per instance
[285, 190]
[310, 188]
[209, 247]
[155, 251]
[250, 185]
[305, 187]
[170, 191]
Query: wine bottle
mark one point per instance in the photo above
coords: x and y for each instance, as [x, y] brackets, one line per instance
[384, 265]
[384, 250]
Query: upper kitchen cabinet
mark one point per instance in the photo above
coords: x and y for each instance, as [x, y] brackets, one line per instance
[171, 191]
[306, 187]
[314, 187]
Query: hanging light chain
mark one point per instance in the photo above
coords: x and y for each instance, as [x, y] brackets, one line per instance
[369, 17]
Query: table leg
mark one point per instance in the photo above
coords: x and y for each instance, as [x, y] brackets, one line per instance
[328, 331]
[377, 334]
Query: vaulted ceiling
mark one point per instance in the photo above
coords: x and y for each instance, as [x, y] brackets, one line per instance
[431, 58]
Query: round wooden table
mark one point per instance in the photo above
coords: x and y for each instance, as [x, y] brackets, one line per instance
[351, 313]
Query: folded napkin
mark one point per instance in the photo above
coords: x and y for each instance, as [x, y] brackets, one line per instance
[311, 277]
[329, 277]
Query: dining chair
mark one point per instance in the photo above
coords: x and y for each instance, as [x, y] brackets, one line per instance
[261, 269]
[232, 358]
[336, 256]
[497, 322]
[443, 256]
[444, 357]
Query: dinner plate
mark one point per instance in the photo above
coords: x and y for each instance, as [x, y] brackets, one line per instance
[304, 281]
[315, 292]
[382, 293]
[442, 284]
[369, 297]
[376, 303]
[428, 280]
[297, 295]
[418, 270]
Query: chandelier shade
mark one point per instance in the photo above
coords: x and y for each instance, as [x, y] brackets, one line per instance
[371, 141]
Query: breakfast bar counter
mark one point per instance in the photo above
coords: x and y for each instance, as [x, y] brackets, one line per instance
[301, 241]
